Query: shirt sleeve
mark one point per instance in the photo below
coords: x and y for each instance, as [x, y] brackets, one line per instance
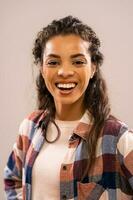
[13, 170]
[125, 155]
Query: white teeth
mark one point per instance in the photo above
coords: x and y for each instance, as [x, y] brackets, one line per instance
[66, 85]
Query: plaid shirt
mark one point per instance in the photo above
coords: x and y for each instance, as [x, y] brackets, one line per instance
[110, 178]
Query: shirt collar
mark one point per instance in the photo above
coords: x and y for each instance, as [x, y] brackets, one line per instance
[41, 118]
[84, 126]
[82, 129]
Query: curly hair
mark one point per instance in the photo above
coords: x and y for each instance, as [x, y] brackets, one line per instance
[96, 99]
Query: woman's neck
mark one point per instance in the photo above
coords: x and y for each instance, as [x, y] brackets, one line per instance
[69, 112]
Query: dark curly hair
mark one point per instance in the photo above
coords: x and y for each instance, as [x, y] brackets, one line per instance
[96, 99]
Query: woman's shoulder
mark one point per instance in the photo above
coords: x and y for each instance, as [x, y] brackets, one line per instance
[117, 132]
[32, 120]
[114, 126]
[36, 115]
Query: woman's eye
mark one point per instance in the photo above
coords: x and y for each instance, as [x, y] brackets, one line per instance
[79, 62]
[53, 63]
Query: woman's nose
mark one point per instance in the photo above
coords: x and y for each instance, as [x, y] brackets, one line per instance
[65, 71]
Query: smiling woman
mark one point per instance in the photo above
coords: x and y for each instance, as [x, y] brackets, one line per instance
[66, 70]
[71, 147]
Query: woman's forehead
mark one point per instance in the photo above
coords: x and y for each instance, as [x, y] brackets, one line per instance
[72, 44]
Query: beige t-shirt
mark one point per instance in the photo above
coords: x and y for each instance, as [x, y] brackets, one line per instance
[46, 169]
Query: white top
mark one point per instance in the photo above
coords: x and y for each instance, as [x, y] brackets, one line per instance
[46, 169]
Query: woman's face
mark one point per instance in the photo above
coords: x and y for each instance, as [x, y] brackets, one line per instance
[67, 68]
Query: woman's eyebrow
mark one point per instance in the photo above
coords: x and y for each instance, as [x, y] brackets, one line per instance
[71, 56]
[77, 55]
[53, 55]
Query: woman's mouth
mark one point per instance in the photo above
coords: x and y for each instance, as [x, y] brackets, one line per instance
[66, 88]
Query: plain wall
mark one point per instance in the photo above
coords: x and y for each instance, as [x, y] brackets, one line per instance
[20, 20]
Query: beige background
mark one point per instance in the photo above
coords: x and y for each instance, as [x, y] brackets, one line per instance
[20, 20]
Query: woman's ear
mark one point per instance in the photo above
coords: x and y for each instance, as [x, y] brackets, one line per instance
[93, 70]
[41, 71]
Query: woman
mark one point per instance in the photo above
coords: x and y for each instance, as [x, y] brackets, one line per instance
[71, 148]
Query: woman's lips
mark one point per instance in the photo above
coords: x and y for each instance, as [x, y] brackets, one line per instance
[66, 88]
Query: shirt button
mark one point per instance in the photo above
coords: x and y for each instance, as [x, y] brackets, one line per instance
[64, 197]
[64, 167]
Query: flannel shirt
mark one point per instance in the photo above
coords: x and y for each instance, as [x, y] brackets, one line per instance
[110, 178]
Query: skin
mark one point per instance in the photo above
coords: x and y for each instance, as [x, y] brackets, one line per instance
[66, 60]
